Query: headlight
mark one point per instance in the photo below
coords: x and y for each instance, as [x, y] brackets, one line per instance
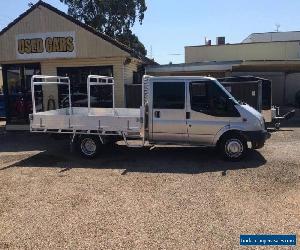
[262, 123]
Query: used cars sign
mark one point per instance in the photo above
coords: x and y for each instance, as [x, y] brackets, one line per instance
[46, 45]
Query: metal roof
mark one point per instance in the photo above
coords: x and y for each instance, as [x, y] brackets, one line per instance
[201, 66]
[273, 37]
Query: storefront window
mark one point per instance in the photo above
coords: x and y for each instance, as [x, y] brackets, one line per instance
[100, 96]
[14, 80]
[17, 82]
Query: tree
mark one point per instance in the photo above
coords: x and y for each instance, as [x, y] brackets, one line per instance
[132, 41]
[114, 18]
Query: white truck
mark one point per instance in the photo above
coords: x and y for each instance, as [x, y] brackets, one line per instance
[189, 110]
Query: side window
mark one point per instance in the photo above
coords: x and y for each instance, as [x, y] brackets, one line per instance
[208, 98]
[199, 97]
[168, 95]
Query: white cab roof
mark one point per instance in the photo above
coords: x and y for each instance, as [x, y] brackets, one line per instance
[179, 77]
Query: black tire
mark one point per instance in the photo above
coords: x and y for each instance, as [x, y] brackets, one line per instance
[233, 147]
[88, 146]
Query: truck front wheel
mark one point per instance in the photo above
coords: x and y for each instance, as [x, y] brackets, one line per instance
[88, 146]
[233, 147]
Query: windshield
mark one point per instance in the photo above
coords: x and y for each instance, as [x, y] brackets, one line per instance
[226, 92]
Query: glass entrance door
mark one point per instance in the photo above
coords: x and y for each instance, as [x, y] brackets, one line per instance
[17, 90]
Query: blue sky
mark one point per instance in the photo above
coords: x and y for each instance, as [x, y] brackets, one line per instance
[170, 25]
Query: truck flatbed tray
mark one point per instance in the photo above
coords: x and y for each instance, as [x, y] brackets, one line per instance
[106, 121]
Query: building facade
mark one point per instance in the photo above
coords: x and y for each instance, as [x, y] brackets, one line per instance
[44, 40]
[275, 56]
[256, 51]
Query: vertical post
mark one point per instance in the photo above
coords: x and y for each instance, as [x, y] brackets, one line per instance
[89, 93]
[123, 84]
[70, 100]
[32, 95]
[284, 89]
[143, 110]
[113, 94]
[259, 96]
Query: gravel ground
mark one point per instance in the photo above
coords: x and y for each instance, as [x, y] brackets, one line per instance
[166, 198]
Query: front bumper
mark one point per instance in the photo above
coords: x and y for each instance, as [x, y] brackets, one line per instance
[257, 138]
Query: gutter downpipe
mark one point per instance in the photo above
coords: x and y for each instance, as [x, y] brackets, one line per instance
[124, 88]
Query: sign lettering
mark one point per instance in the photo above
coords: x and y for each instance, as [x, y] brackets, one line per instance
[46, 45]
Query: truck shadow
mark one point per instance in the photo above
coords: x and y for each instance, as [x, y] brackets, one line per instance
[159, 160]
[20, 141]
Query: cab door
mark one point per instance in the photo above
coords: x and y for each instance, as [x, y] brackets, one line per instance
[169, 111]
[210, 109]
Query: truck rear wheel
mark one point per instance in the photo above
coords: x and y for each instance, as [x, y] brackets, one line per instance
[88, 146]
[233, 147]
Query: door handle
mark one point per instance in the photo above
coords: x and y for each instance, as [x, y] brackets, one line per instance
[188, 115]
[157, 114]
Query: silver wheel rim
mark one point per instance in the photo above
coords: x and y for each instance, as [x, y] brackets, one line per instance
[88, 146]
[234, 148]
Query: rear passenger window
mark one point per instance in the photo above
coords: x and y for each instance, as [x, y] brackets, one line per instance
[168, 95]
